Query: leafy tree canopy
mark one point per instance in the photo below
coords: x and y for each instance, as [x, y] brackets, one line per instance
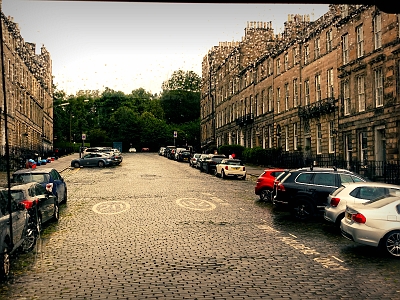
[184, 81]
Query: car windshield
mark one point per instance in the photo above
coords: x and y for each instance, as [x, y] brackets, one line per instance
[29, 177]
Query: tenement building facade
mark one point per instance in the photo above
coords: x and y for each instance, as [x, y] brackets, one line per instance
[28, 93]
[324, 87]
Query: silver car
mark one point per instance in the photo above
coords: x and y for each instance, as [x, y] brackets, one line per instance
[95, 159]
[374, 223]
[357, 192]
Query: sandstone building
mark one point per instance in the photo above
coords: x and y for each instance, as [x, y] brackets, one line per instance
[328, 87]
[28, 86]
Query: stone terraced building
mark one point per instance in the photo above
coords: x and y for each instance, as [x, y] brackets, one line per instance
[29, 96]
[328, 87]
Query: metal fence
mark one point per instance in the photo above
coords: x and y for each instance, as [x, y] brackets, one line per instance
[383, 171]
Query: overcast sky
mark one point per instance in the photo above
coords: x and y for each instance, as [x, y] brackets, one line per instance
[131, 45]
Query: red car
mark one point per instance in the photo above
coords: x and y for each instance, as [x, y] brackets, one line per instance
[265, 183]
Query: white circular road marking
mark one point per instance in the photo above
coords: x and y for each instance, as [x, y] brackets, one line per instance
[111, 207]
[195, 204]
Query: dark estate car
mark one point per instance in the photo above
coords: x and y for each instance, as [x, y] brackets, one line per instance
[44, 176]
[184, 156]
[23, 238]
[209, 164]
[305, 191]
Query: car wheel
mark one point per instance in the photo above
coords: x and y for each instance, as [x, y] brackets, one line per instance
[391, 243]
[215, 173]
[5, 264]
[101, 164]
[339, 220]
[56, 213]
[266, 195]
[77, 165]
[29, 239]
[223, 176]
[244, 177]
[303, 210]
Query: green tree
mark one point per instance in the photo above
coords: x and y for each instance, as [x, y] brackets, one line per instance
[124, 126]
[180, 106]
[184, 81]
[154, 131]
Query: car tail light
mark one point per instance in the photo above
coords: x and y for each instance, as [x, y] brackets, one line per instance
[335, 202]
[359, 218]
[226, 167]
[28, 203]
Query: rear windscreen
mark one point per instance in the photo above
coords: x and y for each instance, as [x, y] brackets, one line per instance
[25, 178]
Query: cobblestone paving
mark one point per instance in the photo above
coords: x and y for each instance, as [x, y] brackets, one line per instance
[153, 228]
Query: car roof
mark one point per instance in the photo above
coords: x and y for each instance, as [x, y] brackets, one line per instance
[34, 171]
[370, 184]
[323, 169]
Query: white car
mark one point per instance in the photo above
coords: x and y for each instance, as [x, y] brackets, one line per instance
[230, 168]
[132, 150]
[357, 192]
[374, 223]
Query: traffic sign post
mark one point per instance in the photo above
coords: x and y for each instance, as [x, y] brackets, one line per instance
[175, 135]
[83, 144]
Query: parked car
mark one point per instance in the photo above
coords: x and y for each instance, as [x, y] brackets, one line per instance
[96, 159]
[209, 164]
[230, 168]
[357, 192]
[200, 160]
[40, 202]
[184, 156]
[161, 151]
[132, 150]
[374, 223]
[193, 159]
[265, 183]
[304, 191]
[92, 149]
[115, 155]
[22, 237]
[177, 151]
[44, 176]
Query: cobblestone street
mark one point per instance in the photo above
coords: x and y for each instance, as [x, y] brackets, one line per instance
[153, 228]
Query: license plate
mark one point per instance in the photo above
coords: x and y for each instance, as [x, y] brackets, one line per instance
[235, 168]
[185, 159]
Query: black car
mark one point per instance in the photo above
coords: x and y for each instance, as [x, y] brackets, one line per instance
[23, 237]
[184, 156]
[209, 164]
[305, 191]
[44, 176]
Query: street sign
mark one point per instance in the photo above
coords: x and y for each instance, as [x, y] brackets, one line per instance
[83, 136]
[175, 134]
